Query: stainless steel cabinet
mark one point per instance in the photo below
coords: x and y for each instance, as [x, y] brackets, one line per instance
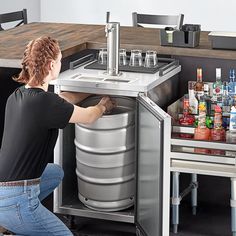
[152, 93]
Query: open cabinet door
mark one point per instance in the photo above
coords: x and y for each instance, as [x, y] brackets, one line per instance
[153, 169]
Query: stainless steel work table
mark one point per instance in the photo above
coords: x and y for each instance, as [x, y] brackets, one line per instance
[184, 160]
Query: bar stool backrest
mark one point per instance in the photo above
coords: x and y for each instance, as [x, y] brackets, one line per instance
[175, 20]
[14, 16]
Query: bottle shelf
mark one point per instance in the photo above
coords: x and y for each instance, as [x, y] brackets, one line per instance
[184, 148]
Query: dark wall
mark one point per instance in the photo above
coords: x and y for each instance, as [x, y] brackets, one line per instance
[208, 65]
[7, 87]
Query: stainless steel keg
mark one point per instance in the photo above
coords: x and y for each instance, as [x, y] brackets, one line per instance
[105, 158]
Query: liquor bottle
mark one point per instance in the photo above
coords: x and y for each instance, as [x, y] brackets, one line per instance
[193, 102]
[209, 122]
[199, 85]
[230, 138]
[231, 133]
[207, 98]
[232, 124]
[218, 132]
[213, 104]
[232, 82]
[202, 132]
[228, 120]
[187, 119]
[226, 100]
[218, 88]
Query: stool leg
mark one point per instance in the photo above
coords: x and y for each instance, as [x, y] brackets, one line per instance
[233, 206]
[194, 194]
[175, 201]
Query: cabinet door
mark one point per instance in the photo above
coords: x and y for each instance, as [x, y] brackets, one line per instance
[152, 169]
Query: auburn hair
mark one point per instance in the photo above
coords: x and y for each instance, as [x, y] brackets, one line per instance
[35, 63]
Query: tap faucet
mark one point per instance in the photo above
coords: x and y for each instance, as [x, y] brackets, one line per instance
[112, 30]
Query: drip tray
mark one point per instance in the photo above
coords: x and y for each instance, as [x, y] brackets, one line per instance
[95, 65]
[101, 79]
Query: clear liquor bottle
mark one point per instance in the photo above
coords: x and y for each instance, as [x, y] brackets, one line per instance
[231, 133]
[193, 102]
[218, 88]
[226, 100]
[232, 82]
[199, 86]
[230, 138]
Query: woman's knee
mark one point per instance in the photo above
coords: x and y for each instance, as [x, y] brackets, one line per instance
[55, 171]
[59, 173]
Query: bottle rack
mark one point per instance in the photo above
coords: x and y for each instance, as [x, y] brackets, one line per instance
[186, 146]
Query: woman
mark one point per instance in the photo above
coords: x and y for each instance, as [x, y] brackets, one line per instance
[32, 119]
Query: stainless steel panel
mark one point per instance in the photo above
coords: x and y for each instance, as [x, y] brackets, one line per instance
[127, 84]
[214, 169]
[165, 93]
[151, 169]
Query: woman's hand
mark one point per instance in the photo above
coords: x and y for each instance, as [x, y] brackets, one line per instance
[108, 103]
[90, 114]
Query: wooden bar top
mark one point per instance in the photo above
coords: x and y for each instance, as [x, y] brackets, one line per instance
[76, 37]
[72, 38]
[149, 39]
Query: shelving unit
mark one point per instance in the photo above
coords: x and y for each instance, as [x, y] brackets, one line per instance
[184, 159]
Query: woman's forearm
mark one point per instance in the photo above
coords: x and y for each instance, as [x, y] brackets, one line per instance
[87, 115]
[74, 97]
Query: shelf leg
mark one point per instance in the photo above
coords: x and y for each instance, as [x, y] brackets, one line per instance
[233, 206]
[71, 222]
[194, 194]
[138, 233]
[175, 201]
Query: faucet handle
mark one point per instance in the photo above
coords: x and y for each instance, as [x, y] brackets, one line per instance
[106, 30]
[107, 17]
[109, 28]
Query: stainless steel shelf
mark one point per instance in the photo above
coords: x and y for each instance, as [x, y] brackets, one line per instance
[73, 206]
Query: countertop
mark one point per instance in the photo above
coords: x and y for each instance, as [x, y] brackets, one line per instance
[72, 38]
[76, 37]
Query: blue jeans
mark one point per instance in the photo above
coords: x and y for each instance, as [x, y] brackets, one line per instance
[22, 212]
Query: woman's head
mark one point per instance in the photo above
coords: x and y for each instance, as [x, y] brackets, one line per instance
[42, 57]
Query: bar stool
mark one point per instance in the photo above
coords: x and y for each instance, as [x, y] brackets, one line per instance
[14, 16]
[166, 20]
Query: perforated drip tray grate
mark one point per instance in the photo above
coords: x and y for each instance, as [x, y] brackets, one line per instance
[162, 62]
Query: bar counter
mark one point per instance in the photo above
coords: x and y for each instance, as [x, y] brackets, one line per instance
[76, 37]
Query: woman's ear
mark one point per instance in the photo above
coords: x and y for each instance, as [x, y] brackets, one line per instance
[51, 65]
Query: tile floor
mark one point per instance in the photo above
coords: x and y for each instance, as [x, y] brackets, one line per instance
[211, 220]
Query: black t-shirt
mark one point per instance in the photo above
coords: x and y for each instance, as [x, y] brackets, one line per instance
[32, 120]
